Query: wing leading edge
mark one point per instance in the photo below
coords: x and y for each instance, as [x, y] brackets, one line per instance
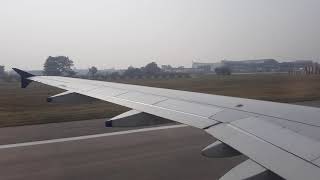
[263, 131]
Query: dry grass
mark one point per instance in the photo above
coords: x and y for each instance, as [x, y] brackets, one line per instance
[29, 106]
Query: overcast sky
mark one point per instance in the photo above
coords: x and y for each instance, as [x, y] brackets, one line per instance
[119, 33]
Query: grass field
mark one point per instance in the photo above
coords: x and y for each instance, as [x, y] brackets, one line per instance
[29, 106]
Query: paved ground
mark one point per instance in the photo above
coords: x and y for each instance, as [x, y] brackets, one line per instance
[54, 130]
[160, 154]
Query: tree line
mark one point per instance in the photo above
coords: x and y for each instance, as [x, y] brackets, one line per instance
[151, 70]
[64, 66]
[5, 76]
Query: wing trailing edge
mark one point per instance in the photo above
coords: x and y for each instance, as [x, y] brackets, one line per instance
[250, 170]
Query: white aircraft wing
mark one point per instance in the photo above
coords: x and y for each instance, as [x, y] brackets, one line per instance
[280, 140]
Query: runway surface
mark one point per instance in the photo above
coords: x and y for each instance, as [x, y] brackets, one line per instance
[157, 153]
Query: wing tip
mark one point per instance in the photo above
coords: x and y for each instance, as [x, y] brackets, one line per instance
[24, 77]
[22, 73]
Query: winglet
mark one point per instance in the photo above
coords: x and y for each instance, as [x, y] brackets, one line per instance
[24, 77]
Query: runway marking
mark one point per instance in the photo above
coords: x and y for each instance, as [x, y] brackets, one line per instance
[6, 146]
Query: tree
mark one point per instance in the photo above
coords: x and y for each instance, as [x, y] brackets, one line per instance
[2, 72]
[132, 71]
[93, 70]
[59, 65]
[151, 68]
[70, 73]
[224, 70]
[114, 75]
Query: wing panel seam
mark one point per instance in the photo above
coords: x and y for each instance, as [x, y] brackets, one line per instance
[243, 130]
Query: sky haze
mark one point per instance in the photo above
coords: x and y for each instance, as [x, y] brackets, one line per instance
[120, 33]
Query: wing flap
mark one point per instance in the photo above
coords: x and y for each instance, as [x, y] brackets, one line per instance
[279, 161]
[247, 170]
[281, 137]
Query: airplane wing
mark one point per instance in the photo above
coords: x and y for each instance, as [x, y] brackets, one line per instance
[280, 140]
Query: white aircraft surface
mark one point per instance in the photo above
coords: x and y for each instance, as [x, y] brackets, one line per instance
[280, 140]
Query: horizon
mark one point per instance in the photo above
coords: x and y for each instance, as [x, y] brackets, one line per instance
[159, 65]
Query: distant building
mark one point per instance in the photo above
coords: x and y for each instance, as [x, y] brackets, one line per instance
[295, 66]
[252, 66]
[180, 69]
[206, 67]
[246, 66]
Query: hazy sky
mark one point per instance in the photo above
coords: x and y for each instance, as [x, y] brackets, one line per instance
[119, 33]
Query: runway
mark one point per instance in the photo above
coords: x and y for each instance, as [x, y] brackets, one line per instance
[156, 154]
[86, 137]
